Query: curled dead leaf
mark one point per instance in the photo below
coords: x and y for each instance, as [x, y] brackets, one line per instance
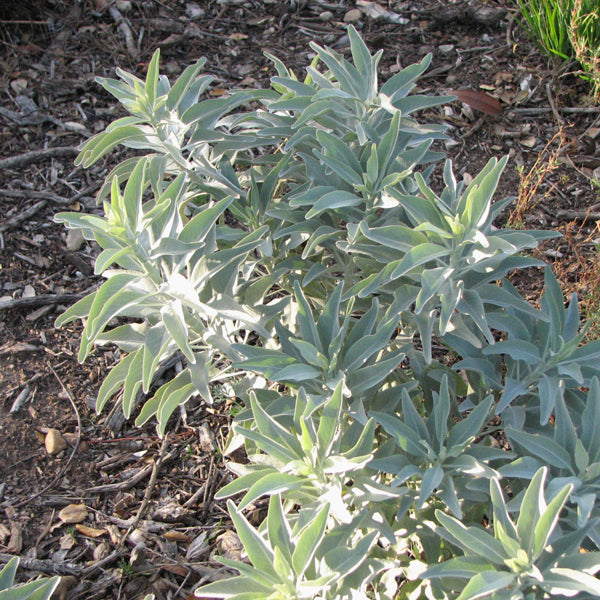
[479, 101]
[90, 531]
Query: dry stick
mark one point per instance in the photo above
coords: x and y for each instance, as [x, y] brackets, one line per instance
[151, 483]
[50, 567]
[16, 405]
[122, 485]
[35, 194]
[68, 463]
[558, 118]
[27, 158]
[578, 214]
[23, 216]
[41, 300]
[124, 29]
[586, 110]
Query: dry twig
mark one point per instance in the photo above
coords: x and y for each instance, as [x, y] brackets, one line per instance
[23, 216]
[22, 160]
[41, 300]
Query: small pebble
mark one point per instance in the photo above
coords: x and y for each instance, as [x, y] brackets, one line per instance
[326, 16]
[352, 16]
[54, 441]
[446, 48]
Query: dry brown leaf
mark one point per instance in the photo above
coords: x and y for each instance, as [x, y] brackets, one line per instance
[177, 536]
[479, 101]
[67, 541]
[15, 544]
[74, 513]
[528, 142]
[176, 570]
[90, 531]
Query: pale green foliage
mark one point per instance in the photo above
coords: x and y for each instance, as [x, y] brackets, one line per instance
[291, 237]
[41, 589]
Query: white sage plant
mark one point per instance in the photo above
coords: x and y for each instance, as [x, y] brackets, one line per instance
[293, 233]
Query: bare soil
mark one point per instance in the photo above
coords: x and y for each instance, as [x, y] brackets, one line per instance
[150, 524]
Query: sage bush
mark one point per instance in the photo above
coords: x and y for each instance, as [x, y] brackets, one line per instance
[419, 428]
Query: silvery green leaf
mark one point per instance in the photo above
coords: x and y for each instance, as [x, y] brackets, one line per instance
[7, 575]
[368, 377]
[310, 354]
[364, 443]
[523, 467]
[259, 552]
[532, 507]
[80, 309]
[348, 76]
[272, 431]
[346, 562]
[400, 237]
[235, 588]
[334, 200]
[271, 484]
[174, 320]
[406, 438]
[469, 427]
[188, 87]
[486, 583]
[408, 105]
[542, 447]
[176, 394]
[412, 418]
[42, 589]
[200, 376]
[124, 131]
[358, 354]
[472, 539]
[417, 256]
[565, 433]
[545, 525]
[305, 319]
[297, 372]
[590, 421]
[438, 421]
[512, 389]
[330, 420]
[197, 228]
[517, 350]
[430, 480]
[475, 203]
[551, 390]
[400, 84]
[160, 399]
[115, 379]
[501, 516]
[244, 481]
[308, 540]
[279, 530]
[569, 582]
[460, 566]
[339, 158]
[132, 383]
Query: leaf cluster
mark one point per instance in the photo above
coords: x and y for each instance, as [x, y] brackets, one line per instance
[289, 241]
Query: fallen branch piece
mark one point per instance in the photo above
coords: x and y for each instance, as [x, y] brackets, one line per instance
[27, 158]
[23, 216]
[50, 567]
[41, 300]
